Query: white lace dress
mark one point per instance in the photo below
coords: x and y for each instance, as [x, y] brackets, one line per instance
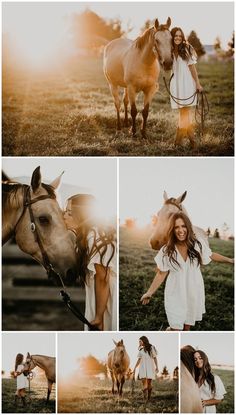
[147, 366]
[184, 290]
[182, 84]
[110, 315]
[206, 393]
[21, 380]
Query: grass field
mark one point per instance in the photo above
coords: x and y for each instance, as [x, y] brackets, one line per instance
[227, 377]
[96, 397]
[70, 111]
[137, 270]
[35, 401]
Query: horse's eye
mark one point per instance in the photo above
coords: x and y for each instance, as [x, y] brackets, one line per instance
[43, 220]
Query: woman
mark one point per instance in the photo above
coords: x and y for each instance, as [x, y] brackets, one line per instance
[147, 360]
[96, 261]
[184, 84]
[211, 387]
[21, 379]
[180, 259]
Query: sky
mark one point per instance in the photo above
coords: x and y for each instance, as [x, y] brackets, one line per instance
[76, 345]
[34, 343]
[97, 176]
[39, 28]
[219, 347]
[208, 181]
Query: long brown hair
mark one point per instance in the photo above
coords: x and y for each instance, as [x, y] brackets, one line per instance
[205, 374]
[147, 347]
[185, 50]
[19, 360]
[191, 240]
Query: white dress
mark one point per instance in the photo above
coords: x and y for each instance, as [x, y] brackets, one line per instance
[21, 380]
[182, 84]
[184, 290]
[206, 393]
[110, 315]
[147, 366]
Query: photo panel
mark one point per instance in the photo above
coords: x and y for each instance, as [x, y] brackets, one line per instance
[66, 66]
[165, 206]
[59, 231]
[28, 372]
[119, 372]
[207, 373]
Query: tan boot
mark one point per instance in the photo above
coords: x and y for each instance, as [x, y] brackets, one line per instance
[191, 136]
[180, 133]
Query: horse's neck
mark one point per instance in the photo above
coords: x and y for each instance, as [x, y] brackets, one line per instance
[39, 361]
[147, 55]
[9, 221]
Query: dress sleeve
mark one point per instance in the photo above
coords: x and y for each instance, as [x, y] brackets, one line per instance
[139, 354]
[96, 257]
[220, 389]
[206, 251]
[192, 60]
[162, 261]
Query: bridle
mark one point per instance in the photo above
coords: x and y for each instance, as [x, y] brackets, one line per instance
[172, 202]
[27, 204]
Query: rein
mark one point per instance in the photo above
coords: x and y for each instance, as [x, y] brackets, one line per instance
[27, 204]
[202, 104]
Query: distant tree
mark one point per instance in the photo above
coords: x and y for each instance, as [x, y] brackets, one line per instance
[225, 230]
[176, 373]
[208, 232]
[130, 223]
[194, 40]
[217, 45]
[146, 26]
[216, 233]
[3, 372]
[89, 30]
[165, 371]
[230, 51]
[89, 365]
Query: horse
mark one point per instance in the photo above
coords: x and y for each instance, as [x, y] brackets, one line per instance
[171, 206]
[118, 364]
[33, 216]
[190, 400]
[46, 363]
[135, 66]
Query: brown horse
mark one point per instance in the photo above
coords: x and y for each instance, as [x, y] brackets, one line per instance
[47, 364]
[190, 400]
[57, 242]
[118, 364]
[171, 206]
[135, 66]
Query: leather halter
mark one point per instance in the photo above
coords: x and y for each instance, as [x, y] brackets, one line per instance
[27, 204]
[172, 202]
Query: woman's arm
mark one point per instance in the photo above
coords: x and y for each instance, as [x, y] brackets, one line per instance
[194, 74]
[157, 281]
[156, 364]
[220, 258]
[137, 364]
[210, 402]
[102, 290]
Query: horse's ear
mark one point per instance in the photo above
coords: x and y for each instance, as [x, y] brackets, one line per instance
[122, 341]
[115, 343]
[36, 179]
[168, 22]
[165, 196]
[56, 182]
[28, 355]
[156, 24]
[181, 198]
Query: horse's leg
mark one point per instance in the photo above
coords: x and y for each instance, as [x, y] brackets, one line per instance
[147, 100]
[118, 386]
[49, 391]
[113, 382]
[115, 93]
[121, 384]
[132, 96]
[126, 102]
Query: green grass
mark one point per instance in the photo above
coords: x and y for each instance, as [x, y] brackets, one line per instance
[71, 112]
[92, 396]
[137, 270]
[35, 401]
[227, 377]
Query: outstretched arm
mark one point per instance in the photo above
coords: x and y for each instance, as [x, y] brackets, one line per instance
[194, 74]
[157, 281]
[220, 258]
[210, 402]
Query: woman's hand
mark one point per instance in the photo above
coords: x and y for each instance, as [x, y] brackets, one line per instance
[199, 87]
[204, 403]
[145, 299]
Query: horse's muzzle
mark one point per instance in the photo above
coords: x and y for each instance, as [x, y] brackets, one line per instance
[167, 65]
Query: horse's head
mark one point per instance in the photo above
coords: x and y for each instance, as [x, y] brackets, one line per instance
[119, 353]
[163, 44]
[28, 365]
[171, 205]
[42, 216]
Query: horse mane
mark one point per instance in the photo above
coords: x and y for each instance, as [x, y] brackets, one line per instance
[186, 355]
[141, 41]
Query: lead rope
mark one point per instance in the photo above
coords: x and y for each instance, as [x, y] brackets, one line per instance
[202, 104]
